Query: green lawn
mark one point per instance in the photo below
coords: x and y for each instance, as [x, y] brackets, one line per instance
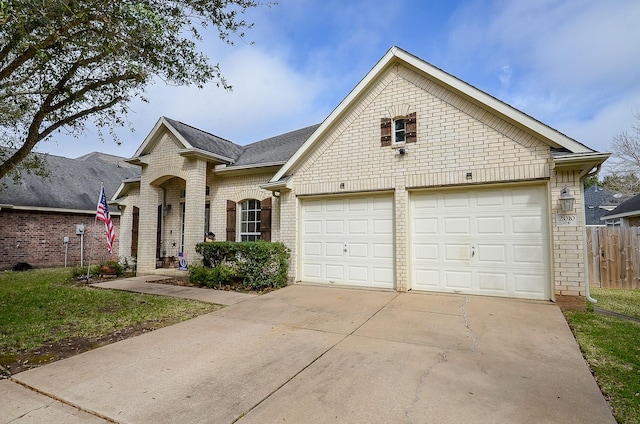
[40, 307]
[611, 346]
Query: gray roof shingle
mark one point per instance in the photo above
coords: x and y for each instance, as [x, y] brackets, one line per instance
[595, 197]
[206, 141]
[276, 149]
[629, 205]
[273, 150]
[73, 183]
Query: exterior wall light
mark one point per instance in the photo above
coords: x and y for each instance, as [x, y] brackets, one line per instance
[566, 200]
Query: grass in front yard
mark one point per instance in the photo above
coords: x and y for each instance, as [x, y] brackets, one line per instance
[611, 347]
[41, 307]
[625, 302]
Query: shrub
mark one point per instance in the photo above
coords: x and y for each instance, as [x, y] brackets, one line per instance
[258, 264]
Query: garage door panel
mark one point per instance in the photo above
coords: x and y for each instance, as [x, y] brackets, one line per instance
[481, 241]
[533, 255]
[383, 227]
[313, 270]
[358, 227]
[356, 239]
[528, 283]
[383, 277]
[334, 249]
[494, 254]
[312, 227]
[526, 224]
[358, 205]
[492, 281]
[429, 279]
[457, 252]
[457, 225]
[457, 279]
[336, 205]
[456, 200]
[313, 249]
[489, 198]
[425, 226]
[490, 225]
[382, 251]
[334, 227]
[358, 250]
[426, 251]
[333, 272]
[358, 273]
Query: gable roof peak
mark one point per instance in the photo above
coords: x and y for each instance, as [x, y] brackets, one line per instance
[470, 93]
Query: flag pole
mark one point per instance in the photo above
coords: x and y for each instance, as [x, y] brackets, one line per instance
[93, 237]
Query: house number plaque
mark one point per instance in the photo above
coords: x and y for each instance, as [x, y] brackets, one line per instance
[566, 220]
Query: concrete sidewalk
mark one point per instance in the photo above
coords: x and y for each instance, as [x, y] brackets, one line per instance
[152, 285]
[307, 354]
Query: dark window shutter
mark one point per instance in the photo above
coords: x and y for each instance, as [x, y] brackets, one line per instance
[385, 132]
[265, 219]
[412, 127]
[231, 220]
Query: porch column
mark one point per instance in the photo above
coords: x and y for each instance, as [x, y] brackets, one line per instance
[194, 207]
[150, 198]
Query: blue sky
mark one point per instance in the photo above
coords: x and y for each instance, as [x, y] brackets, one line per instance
[572, 64]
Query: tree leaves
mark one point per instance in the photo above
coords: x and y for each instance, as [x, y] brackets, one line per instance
[65, 63]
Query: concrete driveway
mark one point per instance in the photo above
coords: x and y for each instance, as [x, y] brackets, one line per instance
[307, 354]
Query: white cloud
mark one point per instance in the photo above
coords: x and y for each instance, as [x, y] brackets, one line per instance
[573, 63]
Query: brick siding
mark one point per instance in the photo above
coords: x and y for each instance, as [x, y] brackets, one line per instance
[37, 238]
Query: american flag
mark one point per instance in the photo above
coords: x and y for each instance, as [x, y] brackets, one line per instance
[103, 215]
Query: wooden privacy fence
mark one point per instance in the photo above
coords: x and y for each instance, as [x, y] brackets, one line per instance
[614, 257]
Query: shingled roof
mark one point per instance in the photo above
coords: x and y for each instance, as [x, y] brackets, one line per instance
[274, 150]
[73, 184]
[599, 201]
[206, 141]
[270, 151]
[630, 207]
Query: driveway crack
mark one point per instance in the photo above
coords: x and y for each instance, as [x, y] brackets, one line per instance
[442, 358]
[465, 316]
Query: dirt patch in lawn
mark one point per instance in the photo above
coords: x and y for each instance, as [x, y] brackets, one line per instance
[17, 362]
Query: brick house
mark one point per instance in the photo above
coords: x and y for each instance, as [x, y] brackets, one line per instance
[37, 213]
[416, 181]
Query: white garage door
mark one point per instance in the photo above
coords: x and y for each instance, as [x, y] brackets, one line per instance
[481, 241]
[348, 240]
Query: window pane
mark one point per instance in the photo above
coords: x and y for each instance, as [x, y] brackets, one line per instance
[399, 124]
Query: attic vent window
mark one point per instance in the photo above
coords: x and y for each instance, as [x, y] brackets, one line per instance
[399, 130]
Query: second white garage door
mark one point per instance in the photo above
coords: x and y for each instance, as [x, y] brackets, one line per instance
[348, 241]
[481, 241]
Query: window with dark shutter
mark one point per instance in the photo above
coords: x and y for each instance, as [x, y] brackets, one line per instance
[231, 220]
[402, 129]
[265, 219]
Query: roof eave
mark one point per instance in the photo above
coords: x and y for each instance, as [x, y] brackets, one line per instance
[283, 184]
[224, 169]
[194, 153]
[581, 162]
[620, 215]
[51, 209]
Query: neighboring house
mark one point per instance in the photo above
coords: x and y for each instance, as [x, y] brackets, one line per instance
[416, 181]
[599, 201]
[627, 214]
[38, 213]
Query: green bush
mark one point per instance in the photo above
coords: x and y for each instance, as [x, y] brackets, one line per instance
[212, 277]
[259, 264]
